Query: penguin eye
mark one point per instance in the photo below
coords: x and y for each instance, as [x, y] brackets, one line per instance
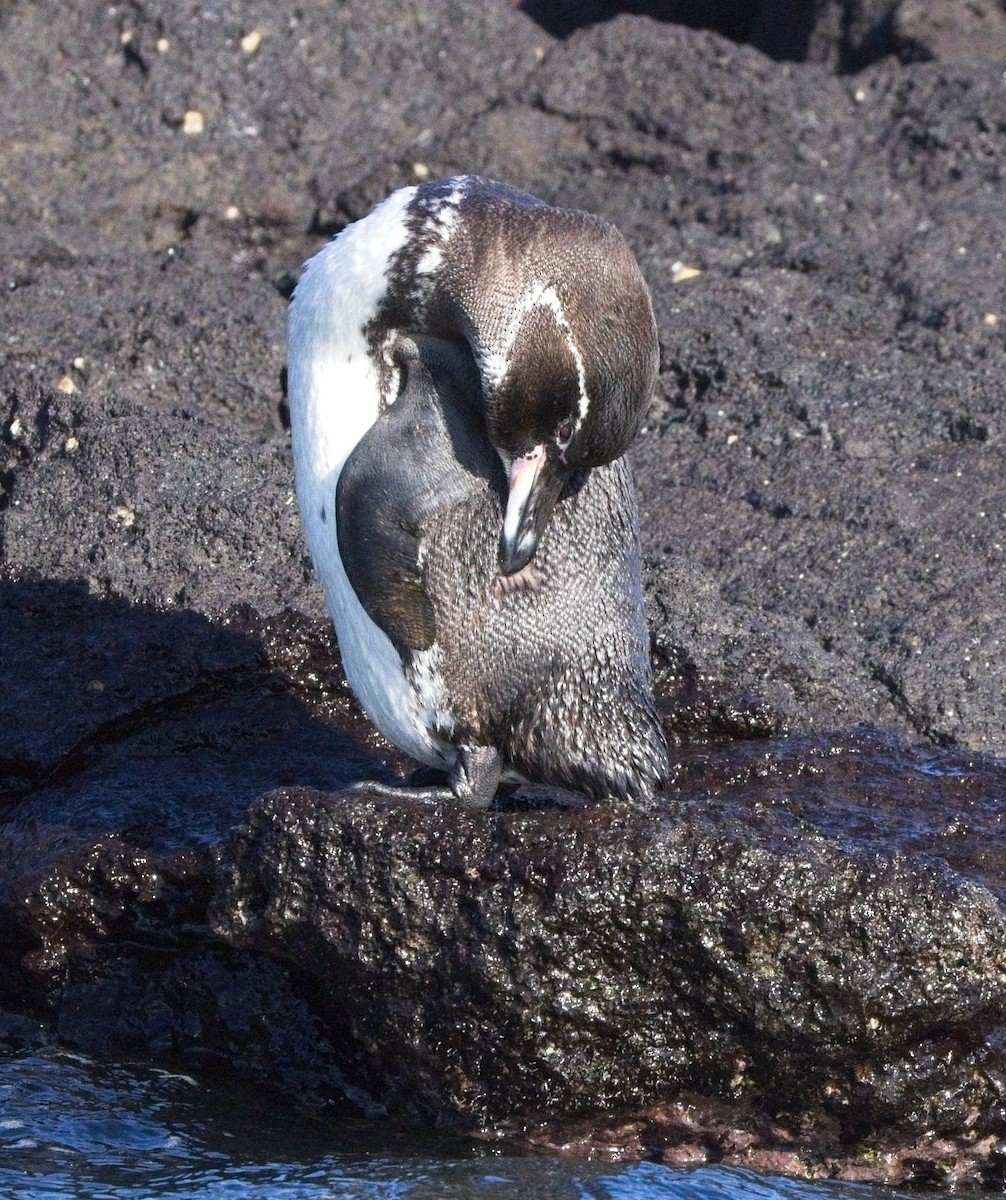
[564, 434]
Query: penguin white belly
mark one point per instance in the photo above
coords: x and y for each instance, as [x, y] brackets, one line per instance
[335, 397]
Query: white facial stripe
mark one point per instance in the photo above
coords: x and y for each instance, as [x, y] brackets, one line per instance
[496, 364]
[391, 380]
[551, 297]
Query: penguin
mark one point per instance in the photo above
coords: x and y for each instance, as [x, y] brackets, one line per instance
[467, 366]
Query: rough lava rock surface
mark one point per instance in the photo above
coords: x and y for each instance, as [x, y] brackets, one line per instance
[796, 959]
[734, 941]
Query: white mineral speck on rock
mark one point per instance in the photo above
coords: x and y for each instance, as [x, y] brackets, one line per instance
[66, 385]
[192, 122]
[251, 41]
[123, 518]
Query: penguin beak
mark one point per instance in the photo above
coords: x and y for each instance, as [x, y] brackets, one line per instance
[535, 484]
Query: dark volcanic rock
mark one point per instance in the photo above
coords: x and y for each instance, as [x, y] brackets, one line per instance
[796, 961]
[131, 740]
[734, 20]
[846, 35]
[793, 922]
[162, 330]
[851, 34]
[723, 671]
[971, 32]
[828, 440]
[162, 509]
[95, 119]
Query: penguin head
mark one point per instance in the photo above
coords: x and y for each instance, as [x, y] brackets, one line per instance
[577, 378]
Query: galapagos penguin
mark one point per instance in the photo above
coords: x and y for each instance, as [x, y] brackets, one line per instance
[467, 366]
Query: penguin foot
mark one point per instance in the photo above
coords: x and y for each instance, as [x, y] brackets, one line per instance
[475, 775]
[431, 794]
[472, 782]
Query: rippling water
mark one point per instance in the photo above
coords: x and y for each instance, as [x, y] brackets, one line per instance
[74, 1128]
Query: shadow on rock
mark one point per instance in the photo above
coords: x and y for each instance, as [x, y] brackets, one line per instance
[563, 17]
[131, 741]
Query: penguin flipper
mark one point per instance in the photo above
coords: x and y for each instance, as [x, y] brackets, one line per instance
[423, 455]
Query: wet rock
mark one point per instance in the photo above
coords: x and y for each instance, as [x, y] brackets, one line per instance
[216, 1008]
[133, 739]
[817, 923]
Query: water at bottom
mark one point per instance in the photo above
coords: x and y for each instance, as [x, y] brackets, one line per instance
[71, 1127]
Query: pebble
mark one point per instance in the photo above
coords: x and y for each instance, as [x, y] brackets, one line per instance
[66, 385]
[192, 122]
[680, 272]
[251, 41]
